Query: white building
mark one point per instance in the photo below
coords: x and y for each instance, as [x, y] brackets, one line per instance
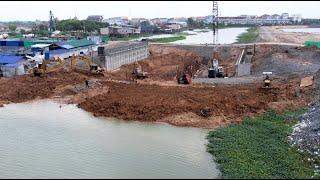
[285, 16]
[296, 18]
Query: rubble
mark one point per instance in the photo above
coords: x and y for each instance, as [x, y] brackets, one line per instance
[307, 81]
[306, 134]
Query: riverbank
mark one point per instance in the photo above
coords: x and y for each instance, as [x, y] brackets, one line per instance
[275, 34]
[162, 39]
[259, 148]
[249, 36]
[168, 39]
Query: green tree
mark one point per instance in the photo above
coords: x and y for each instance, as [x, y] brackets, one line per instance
[190, 22]
[22, 31]
[12, 27]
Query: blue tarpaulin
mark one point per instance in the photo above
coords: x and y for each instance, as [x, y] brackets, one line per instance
[12, 65]
[10, 59]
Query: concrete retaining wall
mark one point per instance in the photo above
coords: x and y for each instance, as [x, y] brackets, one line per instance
[243, 69]
[116, 57]
[202, 50]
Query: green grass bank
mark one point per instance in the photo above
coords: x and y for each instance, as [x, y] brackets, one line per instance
[249, 36]
[259, 148]
[168, 39]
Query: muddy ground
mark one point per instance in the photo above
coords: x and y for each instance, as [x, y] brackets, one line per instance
[182, 105]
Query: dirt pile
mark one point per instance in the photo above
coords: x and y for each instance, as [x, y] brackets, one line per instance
[285, 60]
[162, 65]
[165, 104]
[26, 88]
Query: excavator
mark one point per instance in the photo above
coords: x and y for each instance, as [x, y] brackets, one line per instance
[93, 68]
[43, 68]
[215, 71]
[184, 76]
[138, 73]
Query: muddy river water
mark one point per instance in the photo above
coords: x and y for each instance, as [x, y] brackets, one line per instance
[43, 140]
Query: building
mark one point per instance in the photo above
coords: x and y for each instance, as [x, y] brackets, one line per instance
[11, 65]
[112, 57]
[296, 18]
[104, 31]
[117, 21]
[17, 57]
[137, 21]
[276, 16]
[285, 16]
[147, 27]
[120, 31]
[257, 20]
[97, 18]
[171, 28]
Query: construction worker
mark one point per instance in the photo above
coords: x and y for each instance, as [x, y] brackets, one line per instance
[267, 81]
[87, 83]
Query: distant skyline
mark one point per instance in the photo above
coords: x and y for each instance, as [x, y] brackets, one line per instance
[32, 10]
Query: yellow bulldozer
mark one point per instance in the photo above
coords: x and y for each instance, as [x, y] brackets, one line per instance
[88, 65]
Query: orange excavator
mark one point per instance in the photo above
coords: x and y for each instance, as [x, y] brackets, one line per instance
[184, 76]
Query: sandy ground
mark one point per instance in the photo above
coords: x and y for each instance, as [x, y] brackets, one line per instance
[276, 35]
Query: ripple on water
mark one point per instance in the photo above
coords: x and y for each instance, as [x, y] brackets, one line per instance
[41, 140]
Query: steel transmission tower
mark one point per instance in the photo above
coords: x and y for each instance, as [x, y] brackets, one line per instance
[215, 20]
[52, 26]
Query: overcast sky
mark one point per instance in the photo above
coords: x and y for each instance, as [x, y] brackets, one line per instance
[32, 10]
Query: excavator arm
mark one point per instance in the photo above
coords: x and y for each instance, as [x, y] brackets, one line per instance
[92, 68]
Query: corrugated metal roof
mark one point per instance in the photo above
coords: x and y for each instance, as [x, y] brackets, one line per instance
[12, 65]
[76, 43]
[40, 45]
[67, 46]
[10, 59]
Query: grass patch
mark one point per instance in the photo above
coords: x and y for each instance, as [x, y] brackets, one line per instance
[202, 31]
[168, 39]
[259, 148]
[249, 36]
[137, 36]
[185, 34]
[131, 37]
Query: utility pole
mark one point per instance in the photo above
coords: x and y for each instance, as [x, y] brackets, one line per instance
[52, 26]
[215, 20]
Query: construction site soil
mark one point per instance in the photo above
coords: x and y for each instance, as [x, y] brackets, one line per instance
[159, 99]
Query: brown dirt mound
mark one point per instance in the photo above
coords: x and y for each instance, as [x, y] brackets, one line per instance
[26, 87]
[158, 103]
